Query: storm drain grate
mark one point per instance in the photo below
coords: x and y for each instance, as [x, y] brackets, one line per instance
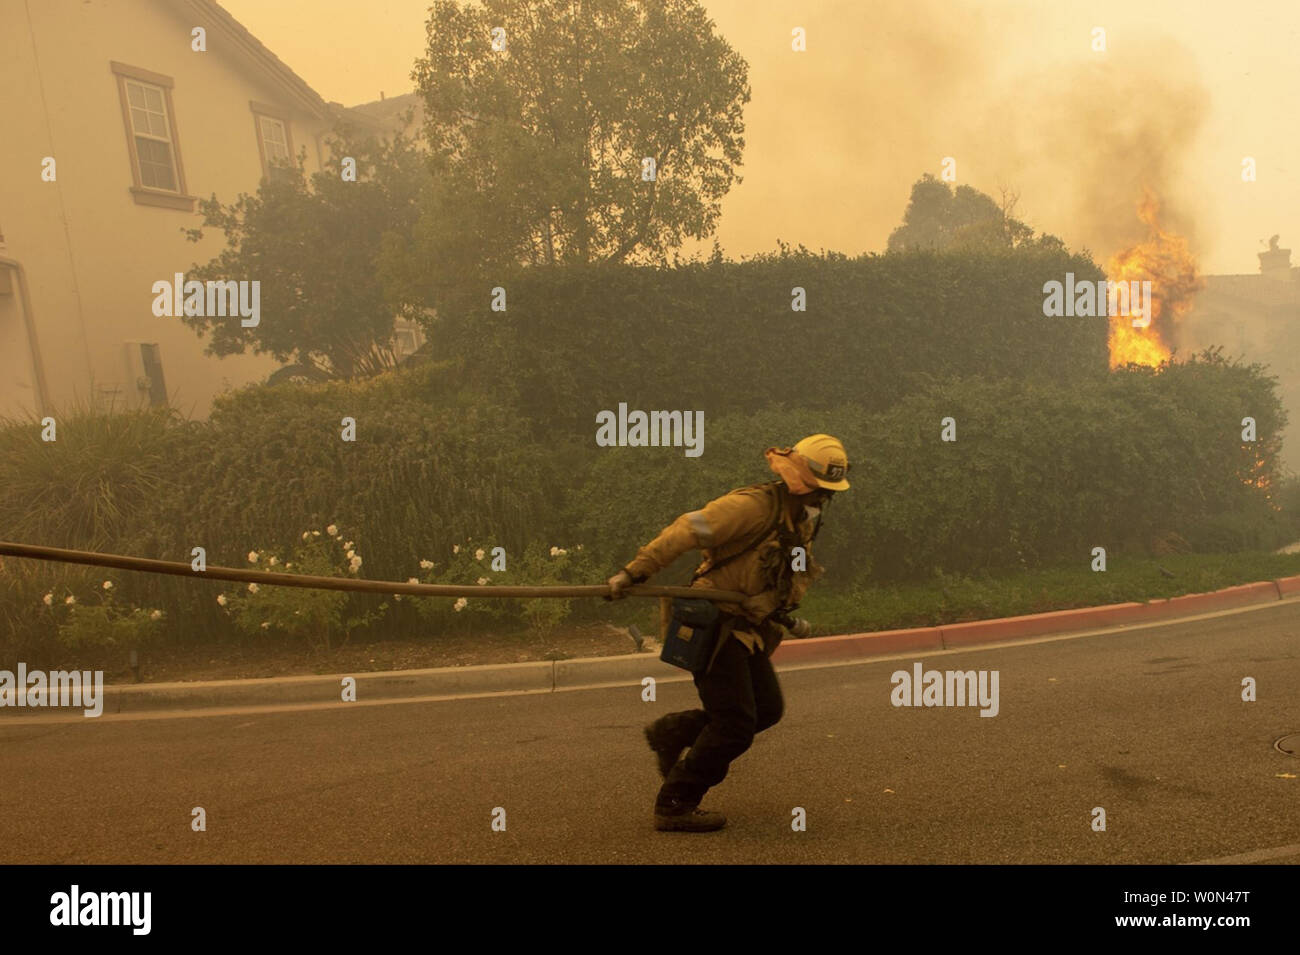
[1289, 745]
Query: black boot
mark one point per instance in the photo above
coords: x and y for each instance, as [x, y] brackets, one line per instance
[671, 734]
[677, 817]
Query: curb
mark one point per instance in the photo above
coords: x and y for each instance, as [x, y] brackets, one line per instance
[275, 691]
[551, 676]
[1000, 630]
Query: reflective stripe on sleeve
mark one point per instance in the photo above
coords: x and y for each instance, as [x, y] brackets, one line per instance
[700, 528]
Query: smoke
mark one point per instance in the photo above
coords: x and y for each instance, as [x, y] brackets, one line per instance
[837, 135]
[1087, 142]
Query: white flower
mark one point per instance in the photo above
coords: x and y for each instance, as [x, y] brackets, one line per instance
[306, 535]
[108, 585]
[273, 561]
[266, 625]
[347, 545]
[156, 615]
[71, 600]
[579, 547]
[351, 554]
[221, 599]
[455, 549]
[252, 557]
[554, 550]
[482, 581]
[332, 530]
[49, 599]
[412, 580]
[315, 533]
[354, 563]
[426, 565]
[460, 604]
[289, 565]
[560, 552]
[478, 554]
[253, 588]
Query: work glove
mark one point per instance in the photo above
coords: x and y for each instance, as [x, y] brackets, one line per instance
[800, 628]
[618, 583]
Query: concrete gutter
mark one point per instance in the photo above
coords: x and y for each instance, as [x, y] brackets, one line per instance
[553, 676]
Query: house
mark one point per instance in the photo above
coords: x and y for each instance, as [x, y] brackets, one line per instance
[120, 115]
[1256, 318]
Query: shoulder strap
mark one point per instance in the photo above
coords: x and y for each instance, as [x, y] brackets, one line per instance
[773, 523]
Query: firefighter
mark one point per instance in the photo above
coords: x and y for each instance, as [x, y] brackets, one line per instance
[754, 540]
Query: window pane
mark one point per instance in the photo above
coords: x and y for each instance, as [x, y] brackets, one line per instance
[156, 170]
[148, 114]
[274, 141]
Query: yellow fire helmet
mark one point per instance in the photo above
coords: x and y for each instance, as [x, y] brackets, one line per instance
[827, 460]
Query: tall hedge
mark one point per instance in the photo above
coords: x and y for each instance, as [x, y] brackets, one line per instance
[723, 338]
[1040, 472]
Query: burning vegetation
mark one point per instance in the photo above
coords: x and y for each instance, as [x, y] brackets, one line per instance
[1164, 259]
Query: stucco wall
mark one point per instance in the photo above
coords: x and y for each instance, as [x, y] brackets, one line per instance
[91, 252]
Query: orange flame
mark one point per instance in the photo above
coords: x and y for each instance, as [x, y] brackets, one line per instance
[1164, 260]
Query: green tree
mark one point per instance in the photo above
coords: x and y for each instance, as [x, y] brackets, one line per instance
[537, 150]
[313, 245]
[937, 217]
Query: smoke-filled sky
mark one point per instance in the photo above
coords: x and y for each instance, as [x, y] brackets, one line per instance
[1012, 89]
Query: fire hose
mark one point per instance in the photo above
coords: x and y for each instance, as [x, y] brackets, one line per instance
[181, 569]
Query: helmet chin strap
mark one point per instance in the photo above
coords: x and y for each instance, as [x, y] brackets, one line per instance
[816, 514]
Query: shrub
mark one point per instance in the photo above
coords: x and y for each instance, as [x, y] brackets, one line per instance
[1040, 472]
[301, 613]
[99, 618]
[536, 566]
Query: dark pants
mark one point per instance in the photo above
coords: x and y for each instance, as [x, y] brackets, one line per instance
[741, 697]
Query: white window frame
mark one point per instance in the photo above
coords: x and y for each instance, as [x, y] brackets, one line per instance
[262, 112]
[127, 76]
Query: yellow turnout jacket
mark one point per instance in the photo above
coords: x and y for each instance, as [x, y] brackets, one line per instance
[754, 520]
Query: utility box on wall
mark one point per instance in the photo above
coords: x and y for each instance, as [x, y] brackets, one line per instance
[144, 380]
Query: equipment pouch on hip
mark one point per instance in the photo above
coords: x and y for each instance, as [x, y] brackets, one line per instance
[692, 634]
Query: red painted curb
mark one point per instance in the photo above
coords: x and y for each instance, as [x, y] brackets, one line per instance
[1038, 624]
[1288, 585]
[1240, 596]
[857, 645]
[851, 646]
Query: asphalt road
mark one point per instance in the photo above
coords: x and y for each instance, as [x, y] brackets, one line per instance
[1148, 724]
